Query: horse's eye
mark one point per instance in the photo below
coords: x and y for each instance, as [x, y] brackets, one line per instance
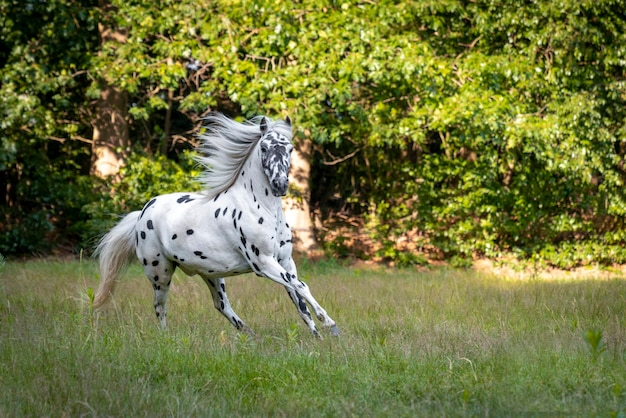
[263, 149]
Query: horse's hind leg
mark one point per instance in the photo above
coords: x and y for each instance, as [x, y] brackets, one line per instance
[159, 271]
[160, 300]
[220, 300]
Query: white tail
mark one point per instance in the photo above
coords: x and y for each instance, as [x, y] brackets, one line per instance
[115, 251]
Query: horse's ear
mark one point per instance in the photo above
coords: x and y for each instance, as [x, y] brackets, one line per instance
[263, 126]
[288, 121]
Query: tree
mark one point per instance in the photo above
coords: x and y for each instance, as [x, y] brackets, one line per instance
[296, 204]
[45, 48]
[111, 140]
[454, 128]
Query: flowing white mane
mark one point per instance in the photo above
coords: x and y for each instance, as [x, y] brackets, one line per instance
[225, 147]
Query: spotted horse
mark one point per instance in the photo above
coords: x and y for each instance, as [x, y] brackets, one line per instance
[235, 225]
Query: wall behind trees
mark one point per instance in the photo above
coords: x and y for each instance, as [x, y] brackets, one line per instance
[459, 127]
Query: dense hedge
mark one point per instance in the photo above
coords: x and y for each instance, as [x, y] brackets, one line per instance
[474, 127]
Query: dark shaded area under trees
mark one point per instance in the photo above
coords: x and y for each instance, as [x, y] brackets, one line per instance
[443, 129]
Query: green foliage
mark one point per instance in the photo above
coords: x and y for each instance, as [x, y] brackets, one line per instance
[488, 144]
[45, 49]
[389, 252]
[49, 213]
[142, 179]
[489, 127]
[593, 338]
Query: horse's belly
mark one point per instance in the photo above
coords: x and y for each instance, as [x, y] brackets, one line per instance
[212, 268]
[208, 262]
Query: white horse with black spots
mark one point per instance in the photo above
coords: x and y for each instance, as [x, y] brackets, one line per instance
[236, 225]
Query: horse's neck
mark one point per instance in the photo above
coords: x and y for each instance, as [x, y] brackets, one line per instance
[253, 182]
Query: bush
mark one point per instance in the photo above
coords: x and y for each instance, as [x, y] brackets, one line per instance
[498, 128]
[48, 212]
[143, 178]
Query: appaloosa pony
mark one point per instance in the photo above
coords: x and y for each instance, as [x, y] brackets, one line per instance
[236, 225]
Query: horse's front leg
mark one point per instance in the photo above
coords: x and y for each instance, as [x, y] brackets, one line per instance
[298, 290]
[302, 309]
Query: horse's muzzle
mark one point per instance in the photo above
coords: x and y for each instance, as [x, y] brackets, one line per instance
[279, 187]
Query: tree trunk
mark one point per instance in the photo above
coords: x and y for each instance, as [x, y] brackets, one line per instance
[111, 139]
[296, 204]
[110, 133]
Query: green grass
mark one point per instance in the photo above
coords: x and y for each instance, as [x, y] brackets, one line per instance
[444, 342]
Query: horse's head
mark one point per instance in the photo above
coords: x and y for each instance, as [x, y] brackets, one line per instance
[275, 149]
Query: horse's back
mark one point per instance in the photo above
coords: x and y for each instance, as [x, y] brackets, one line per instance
[185, 228]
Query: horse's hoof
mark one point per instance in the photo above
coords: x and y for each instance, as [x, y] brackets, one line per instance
[334, 331]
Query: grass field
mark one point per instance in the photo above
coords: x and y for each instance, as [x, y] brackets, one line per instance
[437, 343]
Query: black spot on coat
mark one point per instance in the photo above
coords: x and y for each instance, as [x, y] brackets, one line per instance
[184, 199]
[303, 307]
[150, 203]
